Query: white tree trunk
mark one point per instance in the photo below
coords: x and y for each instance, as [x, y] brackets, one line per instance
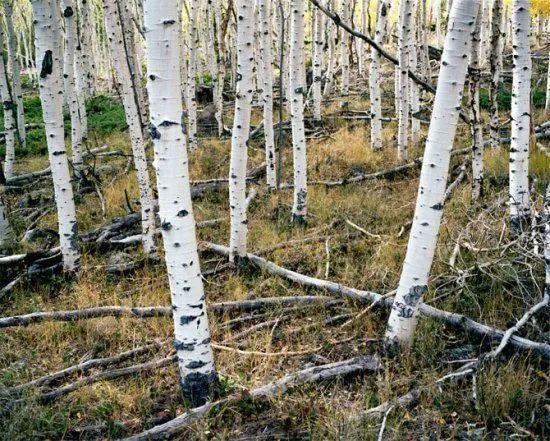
[133, 119]
[87, 38]
[241, 129]
[360, 41]
[520, 115]
[413, 87]
[266, 62]
[10, 129]
[344, 54]
[50, 62]
[296, 96]
[433, 178]
[72, 97]
[15, 68]
[374, 80]
[192, 42]
[547, 104]
[192, 335]
[220, 54]
[405, 13]
[5, 229]
[495, 67]
[475, 113]
[318, 44]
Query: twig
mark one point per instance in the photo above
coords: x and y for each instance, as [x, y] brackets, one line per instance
[383, 426]
[264, 354]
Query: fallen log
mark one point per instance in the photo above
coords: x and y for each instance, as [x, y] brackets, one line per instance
[455, 320]
[150, 311]
[354, 366]
[83, 367]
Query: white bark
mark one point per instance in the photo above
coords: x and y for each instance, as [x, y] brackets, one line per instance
[133, 119]
[520, 115]
[72, 97]
[360, 42]
[296, 96]
[547, 104]
[192, 45]
[15, 69]
[49, 59]
[475, 113]
[414, 91]
[495, 67]
[5, 229]
[10, 130]
[344, 54]
[241, 129]
[374, 80]
[220, 71]
[433, 178]
[192, 335]
[318, 44]
[405, 13]
[87, 37]
[266, 61]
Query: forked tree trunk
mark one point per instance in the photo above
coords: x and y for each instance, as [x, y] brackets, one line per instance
[17, 93]
[296, 96]
[475, 113]
[50, 62]
[133, 119]
[405, 13]
[318, 44]
[374, 80]
[72, 96]
[192, 335]
[192, 43]
[241, 129]
[266, 61]
[10, 129]
[521, 116]
[433, 178]
[496, 47]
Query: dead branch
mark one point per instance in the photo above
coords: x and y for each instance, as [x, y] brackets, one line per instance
[455, 320]
[354, 366]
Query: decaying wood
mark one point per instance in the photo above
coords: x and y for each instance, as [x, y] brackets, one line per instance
[151, 311]
[455, 320]
[84, 367]
[354, 366]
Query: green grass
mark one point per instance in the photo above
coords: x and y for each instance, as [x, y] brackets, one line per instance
[105, 115]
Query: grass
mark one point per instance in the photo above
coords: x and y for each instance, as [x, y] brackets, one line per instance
[514, 391]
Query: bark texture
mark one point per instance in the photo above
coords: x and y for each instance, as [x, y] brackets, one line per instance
[192, 334]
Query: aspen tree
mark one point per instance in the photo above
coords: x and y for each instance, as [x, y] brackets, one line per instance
[475, 113]
[49, 58]
[495, 67]
[5, 227]
[72, 97]
[405, 13]
[547, 103]
[87, 37]
[15, 69]
[344, 54]
[192, 335]
[192, 47]
[374, 80]
[8, 105]
[266, 61]
[414, 92]
[360, 42]
[241, 129]
[220, 59]
[433, 178]
[133, 119]
[318, 44]
[521, 116]
[296, 96]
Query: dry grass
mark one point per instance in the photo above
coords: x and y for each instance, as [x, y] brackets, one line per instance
[512, 391]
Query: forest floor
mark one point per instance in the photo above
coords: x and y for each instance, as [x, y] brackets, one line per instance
[494, 280]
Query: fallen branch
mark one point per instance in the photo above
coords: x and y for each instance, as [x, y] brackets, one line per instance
[149, 311]
[84, 367]
[354, 366]
[453, 319]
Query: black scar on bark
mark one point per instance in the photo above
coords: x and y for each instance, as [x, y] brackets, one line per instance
[181, 346]
[68, 12]
[195, 364]
[182, 213]
[47, 64]
[155, 134]
[168, 123]
[414, 295]
[196, 387]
